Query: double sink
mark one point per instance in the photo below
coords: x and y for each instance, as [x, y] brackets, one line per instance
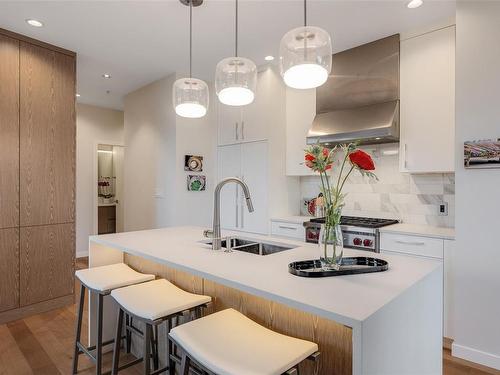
[251, 246]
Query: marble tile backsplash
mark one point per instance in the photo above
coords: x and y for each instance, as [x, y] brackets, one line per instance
[411, 198]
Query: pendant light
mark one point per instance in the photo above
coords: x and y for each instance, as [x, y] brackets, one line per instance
[305, 56]
[236, 77]
[190, 95]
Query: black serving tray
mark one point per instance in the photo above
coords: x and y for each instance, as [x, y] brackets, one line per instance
[350, 266]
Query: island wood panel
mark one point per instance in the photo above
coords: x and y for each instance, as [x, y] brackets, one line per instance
[9, 269]
[9, 132]
[47, 136]
[46, 262]
[334, 339]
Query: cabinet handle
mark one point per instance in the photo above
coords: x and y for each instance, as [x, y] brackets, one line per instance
[243, 130]
[414, 243]
[236, 130]
[406, 160]
[285, 227]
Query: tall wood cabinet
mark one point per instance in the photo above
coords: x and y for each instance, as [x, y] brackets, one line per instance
[37, 175]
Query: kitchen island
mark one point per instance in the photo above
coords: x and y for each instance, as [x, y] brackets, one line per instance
[379, 323]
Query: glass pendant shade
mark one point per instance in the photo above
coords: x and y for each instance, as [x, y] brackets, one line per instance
[190, 97]
[305, 57]
[236, 81]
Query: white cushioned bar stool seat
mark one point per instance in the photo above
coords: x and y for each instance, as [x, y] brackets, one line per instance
[153, 303]
[102, 280]
[229, 343]
[156, 299]
[107, 278]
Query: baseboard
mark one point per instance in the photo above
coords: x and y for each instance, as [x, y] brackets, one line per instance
[37, 308]
[447, 343]
[82, 254]
[477, 356]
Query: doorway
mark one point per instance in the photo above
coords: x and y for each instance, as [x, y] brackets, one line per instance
[109, 188]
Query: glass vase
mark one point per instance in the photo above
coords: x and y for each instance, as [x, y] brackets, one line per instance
[331, 246]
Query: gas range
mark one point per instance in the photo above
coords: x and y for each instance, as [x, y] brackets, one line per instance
[360, 233]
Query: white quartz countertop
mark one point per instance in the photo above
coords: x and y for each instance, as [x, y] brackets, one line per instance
[346, 299]
[420, 230]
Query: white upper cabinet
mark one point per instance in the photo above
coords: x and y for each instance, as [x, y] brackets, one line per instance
[229, 165]
[300, 112]
[248, 161]
[247, 123]
[427, 94]
[229, 121]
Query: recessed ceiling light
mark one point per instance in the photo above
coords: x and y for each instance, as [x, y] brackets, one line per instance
[414, 4]
[269, 58]
[77, 95]
[34, 23]
[106, 75]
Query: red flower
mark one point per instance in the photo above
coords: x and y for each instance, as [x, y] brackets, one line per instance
[362, 160]
[326, 152]
[310, 157]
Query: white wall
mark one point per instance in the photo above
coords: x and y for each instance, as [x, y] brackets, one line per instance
[93, 124]
[477, 256]
[155, 181]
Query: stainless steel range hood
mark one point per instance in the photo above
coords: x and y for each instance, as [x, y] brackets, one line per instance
[360, 100]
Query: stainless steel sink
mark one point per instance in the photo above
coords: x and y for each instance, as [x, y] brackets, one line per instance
[253, 246]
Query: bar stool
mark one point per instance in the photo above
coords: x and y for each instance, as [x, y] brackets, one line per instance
[101, 280]
[153, 303]
[229, 343]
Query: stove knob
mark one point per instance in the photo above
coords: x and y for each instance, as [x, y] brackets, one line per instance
[357, 241]
[367, 243]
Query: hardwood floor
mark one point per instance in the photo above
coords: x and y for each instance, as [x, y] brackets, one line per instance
[43, 345]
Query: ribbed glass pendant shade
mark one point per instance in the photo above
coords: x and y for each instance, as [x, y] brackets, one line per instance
[190, 97]
[236, 81]
[305, 57]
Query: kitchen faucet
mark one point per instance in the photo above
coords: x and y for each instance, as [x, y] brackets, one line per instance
[215, 232]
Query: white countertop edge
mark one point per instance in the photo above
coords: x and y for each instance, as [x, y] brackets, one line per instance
[352, 323]
[420, 230]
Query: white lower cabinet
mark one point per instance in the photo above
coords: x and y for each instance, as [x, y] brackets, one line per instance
[427, 247]
[287, 229]
[247, 161]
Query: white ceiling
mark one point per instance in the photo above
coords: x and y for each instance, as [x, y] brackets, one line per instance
[138, 42]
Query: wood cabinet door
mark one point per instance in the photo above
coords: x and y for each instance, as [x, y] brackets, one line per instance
[9, 132]
[9, 269]
[47, 136]
[46, 262]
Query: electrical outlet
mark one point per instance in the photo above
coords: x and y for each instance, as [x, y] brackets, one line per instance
[443, 209]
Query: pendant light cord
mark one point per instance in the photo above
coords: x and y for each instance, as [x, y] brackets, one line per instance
[236, 30]
[190, 38]
[305, 13]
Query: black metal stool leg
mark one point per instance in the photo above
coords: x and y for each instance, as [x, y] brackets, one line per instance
[185, 364]
[128, 334]
[147, 349]
[98, 353]
[170, 351]
[116, 350]
[154, 341]
[76, 353]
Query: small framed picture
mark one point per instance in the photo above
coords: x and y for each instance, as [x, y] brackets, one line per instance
[482, 154]
[193, 163]
[196, 182]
